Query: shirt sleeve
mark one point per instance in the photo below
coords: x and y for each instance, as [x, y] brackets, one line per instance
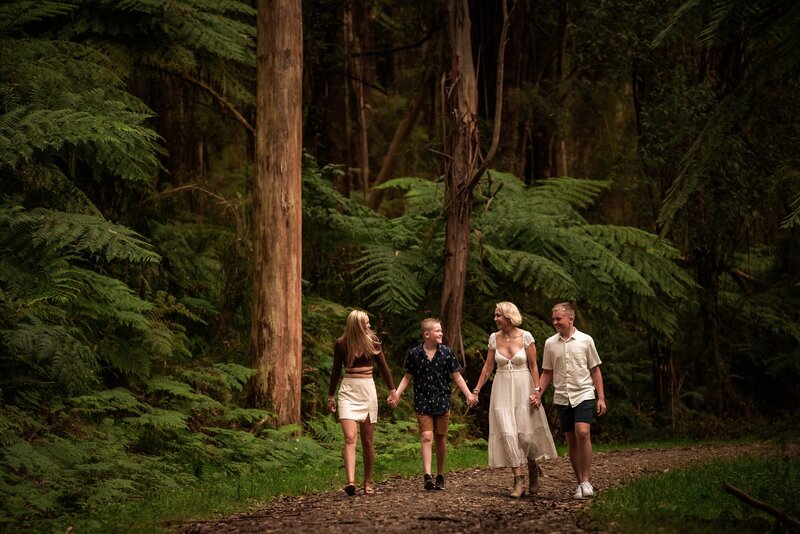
[336, 370]
[410, 368]
[492, 342]
[592, 357]
[453, 362]
[527, 339]
[383, 367]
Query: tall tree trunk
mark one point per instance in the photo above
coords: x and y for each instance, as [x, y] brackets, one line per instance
[356, 22]
[464, 165]
[463, 145]
[276, 334]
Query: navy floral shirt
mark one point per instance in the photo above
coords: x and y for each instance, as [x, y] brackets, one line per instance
[431, 378]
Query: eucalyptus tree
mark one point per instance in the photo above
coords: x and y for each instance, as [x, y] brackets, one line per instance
[276, 335]
[464, 162]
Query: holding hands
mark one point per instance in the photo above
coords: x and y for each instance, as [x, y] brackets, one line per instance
[393, 399]
[535, 400]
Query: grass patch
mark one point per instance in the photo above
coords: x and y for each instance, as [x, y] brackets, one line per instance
[693, 500]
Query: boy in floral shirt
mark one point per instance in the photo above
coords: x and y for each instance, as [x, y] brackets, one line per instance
[431, 365]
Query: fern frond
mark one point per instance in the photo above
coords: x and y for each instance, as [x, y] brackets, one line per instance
[533, 271]
[167, 385]
[160, 419]
[81, 234]
[57, 353]
[108, 401]
[577, 192]
[236, 375]
[18, 14]
[218, 381]
[385, 272]
[244, 416]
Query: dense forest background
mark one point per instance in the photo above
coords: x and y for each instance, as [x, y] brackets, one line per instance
[647, 168]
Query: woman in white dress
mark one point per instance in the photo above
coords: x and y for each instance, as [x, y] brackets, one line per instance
[519, 433]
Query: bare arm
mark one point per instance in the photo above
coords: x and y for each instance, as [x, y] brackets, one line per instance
[597, 378]
[486, 372]
[530, 352]
[462, 385]
[407, 378]
[545, 378]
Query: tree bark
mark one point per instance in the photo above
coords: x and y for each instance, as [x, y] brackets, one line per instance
[354, 29]
[276, 333]
[464, 165]
[463, 145]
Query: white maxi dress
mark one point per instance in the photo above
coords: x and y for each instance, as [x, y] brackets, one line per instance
[517, 430]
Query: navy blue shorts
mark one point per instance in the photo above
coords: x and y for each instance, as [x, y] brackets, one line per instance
[582, 413]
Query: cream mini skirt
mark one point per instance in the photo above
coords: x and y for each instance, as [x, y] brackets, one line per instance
[358, 399]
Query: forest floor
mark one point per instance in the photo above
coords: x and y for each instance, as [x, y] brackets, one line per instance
[475, 500]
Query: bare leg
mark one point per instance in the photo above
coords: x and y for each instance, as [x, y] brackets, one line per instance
[350, 429]
[425, 450]
[368, 450]
[583, 447]
[441, 453]
[572, 447]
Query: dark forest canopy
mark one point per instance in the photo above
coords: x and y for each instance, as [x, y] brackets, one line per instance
[647, 169]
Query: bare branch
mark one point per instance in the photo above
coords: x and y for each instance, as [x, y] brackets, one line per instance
[224, 102]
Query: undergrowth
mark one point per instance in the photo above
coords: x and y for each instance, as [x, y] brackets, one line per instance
[694, 499]
[168, 493]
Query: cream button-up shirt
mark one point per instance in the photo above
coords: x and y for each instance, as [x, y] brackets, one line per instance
[571, 360]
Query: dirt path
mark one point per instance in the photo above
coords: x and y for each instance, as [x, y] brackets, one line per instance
[475, 499]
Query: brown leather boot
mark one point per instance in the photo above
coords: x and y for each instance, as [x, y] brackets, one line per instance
[519, 487]
[533, 476]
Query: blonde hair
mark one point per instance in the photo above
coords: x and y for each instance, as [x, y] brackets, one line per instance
[510, 312]
[358, 338]
[566, 307]
[428, 324]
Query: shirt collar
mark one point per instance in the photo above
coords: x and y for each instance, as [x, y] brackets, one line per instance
[571, 336]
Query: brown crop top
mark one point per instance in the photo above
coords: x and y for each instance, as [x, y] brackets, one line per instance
[362, 360]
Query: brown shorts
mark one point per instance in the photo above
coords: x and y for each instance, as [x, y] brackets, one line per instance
[437, 423]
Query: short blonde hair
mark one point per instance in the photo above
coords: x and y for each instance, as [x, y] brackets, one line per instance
[358, 338]
[428, 324]
[510, 312]
[565, 307]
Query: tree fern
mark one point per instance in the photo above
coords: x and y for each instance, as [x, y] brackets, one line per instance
[23, 12]
[386, 272]
[536, 238]
[533, 271]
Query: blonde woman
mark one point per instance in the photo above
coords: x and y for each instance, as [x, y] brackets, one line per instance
[518, 430]
[358, 349]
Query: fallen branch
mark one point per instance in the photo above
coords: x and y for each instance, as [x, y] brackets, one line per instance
[755, 503]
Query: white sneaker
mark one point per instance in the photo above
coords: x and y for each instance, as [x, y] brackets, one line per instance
[578, 492]
[587, 489]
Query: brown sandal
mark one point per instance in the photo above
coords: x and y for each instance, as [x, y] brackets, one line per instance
[350, 488]
[368, 489]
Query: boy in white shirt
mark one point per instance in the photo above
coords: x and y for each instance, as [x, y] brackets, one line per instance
[571, 361]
